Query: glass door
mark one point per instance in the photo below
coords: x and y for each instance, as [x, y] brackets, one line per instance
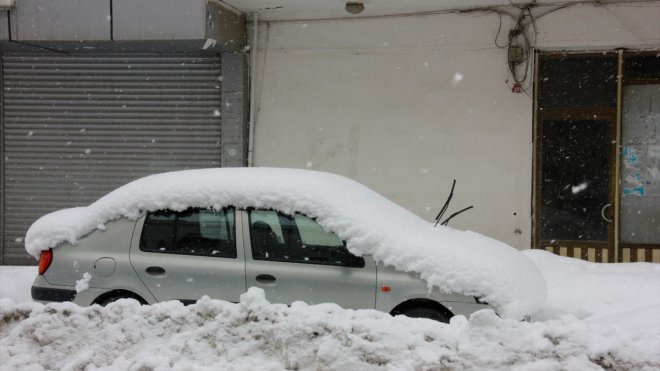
[576, 191]
[597, 156]
[575, 142]
[639, 225]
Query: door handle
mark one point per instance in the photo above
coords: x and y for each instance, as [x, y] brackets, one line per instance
[266, 278]
[602, 213]
[155, 271]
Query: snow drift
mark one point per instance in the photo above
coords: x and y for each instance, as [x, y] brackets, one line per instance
[254, 334]
[599, 292]
[451, 260]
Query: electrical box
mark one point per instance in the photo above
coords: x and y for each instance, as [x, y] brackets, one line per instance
[516, 54]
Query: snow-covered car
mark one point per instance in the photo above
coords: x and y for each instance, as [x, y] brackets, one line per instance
[299, 235]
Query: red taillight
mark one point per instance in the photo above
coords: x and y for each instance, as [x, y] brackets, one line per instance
[45, 259]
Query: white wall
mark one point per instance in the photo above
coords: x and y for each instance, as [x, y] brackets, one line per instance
[378, 100]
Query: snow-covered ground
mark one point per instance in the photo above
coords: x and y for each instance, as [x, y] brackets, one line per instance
[15, 282]
[596, 316]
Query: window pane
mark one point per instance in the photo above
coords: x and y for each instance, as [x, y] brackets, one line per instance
[296, 239]
[311, 233]
[584, 82]
[640, 165]
[270, 218]
[215, 226]
[158, 232]
[187, 232]
[642, 66]
[190, 232]
[575, 179]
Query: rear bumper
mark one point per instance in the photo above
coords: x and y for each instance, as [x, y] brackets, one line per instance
[46, 294]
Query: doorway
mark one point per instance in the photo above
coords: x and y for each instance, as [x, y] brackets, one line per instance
[597, 190]
[576, 188]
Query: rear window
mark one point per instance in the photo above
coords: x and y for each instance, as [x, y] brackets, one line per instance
[202, 232]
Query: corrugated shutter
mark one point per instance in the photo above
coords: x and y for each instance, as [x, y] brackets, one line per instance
[77, 127]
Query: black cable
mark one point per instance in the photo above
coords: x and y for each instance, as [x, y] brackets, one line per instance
[560, 7]
[515, 34]
[514, 5]
[529, 10]
[519, 38]
[499, 29]
[530, 46]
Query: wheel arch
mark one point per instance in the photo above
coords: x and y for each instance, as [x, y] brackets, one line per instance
[119, 293]
[421, 303]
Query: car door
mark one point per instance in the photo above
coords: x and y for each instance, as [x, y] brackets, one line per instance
[186, 255]
[292, 259]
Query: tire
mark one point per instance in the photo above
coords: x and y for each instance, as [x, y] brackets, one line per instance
[429, 313]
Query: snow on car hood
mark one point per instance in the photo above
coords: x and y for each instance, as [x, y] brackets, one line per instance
[449, 259]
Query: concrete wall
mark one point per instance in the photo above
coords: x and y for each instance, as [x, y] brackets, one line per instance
[406, 104]
[146, 26]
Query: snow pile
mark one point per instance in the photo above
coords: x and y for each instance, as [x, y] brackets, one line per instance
[618, 329]
[257, 335]
[600, 292]
[452, 260]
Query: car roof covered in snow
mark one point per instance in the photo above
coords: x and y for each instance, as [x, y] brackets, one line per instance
[449, 259]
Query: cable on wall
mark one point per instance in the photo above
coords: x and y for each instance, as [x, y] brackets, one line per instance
[520, 42]
[519, 45]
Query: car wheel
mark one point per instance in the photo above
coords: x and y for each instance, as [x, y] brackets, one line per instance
[422, 312]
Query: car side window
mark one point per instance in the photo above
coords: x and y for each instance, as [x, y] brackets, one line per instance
[262, 217]
[193, 231]
[296, 239]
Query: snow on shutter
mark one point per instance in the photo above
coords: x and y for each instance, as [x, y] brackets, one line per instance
[77, 127]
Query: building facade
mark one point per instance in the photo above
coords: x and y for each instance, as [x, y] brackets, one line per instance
[546, 115]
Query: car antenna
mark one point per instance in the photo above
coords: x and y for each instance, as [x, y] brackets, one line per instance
[445, 206]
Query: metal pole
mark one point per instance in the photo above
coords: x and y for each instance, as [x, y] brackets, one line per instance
[2, 163]
[617, 161]
[253, 87]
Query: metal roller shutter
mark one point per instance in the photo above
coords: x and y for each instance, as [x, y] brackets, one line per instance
[74, 128]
